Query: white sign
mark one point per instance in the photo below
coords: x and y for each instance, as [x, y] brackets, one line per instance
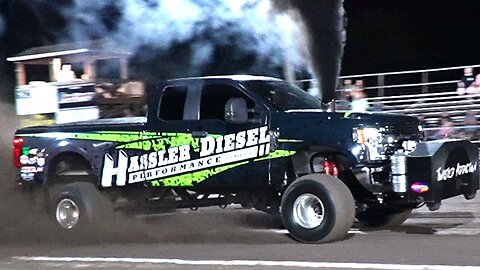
[36, 99]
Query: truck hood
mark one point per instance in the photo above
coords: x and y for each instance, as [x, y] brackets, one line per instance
[366, 118]
[316, 127]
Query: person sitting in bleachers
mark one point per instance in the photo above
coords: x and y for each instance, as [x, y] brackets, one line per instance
[461, 88]
[470, 123]
[474, 88]
[446, 127]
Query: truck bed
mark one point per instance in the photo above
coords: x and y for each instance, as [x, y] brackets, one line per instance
[124, 123]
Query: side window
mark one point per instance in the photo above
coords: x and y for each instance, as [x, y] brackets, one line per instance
[214, 98]
[172, 103]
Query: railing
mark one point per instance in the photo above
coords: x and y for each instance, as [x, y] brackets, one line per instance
[426, 93]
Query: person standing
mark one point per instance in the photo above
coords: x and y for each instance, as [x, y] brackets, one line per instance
[468, 77]
[359, 98]
[313, 89]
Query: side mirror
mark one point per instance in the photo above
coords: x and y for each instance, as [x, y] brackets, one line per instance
[236, 111]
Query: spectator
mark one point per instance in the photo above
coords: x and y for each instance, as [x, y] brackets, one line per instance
[423, 123]
[446, 127]
[468, 77]
[475, 88]
[343, 104]
[359, 98]
[421, 120]
[347, 86]
[461, 88]
[470, 125]
[359, 84]
[313, 90]
[377, 106]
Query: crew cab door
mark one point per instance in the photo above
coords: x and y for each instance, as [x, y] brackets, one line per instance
[156, 152]
[238, 148]
[188, 143]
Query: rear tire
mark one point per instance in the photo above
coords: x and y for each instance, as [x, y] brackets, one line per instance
[318, 208]
[80, 207]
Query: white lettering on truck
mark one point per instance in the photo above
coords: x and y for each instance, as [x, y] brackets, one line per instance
[214, 151]
[458, 170]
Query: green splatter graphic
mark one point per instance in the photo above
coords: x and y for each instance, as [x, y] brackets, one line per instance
[277, 154]
[107, 136]
[147, 141]
[177, 139]
[157, 143]
[190, 179]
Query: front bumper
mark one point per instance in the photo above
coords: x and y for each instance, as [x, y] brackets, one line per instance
[434, 171]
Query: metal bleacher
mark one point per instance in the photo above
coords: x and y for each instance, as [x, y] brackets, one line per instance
[427, 93]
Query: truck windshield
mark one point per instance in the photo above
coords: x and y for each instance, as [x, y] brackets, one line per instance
[283, 95]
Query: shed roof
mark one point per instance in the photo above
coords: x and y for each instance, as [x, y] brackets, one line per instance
[96, 49]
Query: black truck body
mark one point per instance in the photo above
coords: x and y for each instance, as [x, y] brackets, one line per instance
[255, 141]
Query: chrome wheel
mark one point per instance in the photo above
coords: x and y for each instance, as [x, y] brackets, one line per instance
[308, 211]
[67, 213]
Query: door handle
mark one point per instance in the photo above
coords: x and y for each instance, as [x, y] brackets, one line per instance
[199, 134]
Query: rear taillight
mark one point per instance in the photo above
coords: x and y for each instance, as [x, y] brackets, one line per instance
[17, 151]
[330, 168]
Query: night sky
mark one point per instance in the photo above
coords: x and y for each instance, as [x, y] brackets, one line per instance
[386, 35]
[382, 35]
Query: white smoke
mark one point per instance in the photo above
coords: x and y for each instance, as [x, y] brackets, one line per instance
[251, 25]
[85, 17]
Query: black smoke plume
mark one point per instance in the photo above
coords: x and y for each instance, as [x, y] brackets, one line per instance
[324, 24]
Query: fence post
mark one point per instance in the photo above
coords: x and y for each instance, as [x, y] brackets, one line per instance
[424, 82]
[380, 84]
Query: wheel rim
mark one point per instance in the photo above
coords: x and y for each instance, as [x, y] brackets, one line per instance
[308, 211]
[67, 213]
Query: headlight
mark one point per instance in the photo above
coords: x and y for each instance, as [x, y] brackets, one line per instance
[372, 141]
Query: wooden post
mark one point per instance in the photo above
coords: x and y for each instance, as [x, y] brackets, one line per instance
[89, 68]
[55, 66]
[20, 73]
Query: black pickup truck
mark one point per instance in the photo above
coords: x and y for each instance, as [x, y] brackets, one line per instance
[255, 141]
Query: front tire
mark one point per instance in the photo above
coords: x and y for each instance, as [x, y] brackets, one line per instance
[318, 208]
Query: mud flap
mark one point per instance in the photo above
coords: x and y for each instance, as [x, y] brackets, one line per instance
[442, 169]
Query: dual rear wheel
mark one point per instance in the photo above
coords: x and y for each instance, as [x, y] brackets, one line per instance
[80, 206]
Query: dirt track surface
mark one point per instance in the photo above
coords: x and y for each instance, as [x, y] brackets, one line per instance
[8, 124]
[234, 238]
